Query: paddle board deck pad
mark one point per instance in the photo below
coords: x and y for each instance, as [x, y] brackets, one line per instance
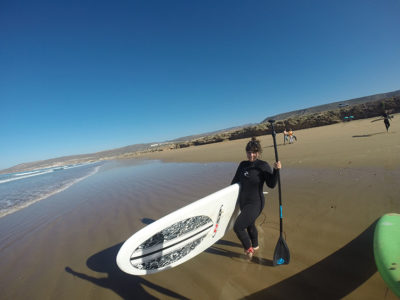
[181, 235]
[387, 250]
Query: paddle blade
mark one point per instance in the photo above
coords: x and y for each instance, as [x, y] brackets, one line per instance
[281, 253]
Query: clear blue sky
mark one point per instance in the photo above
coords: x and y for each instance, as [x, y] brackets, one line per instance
[84, 76]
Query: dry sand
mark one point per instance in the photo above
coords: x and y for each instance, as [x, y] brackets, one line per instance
[336, 182]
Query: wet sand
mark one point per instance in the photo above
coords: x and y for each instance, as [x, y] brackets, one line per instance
[336, 182]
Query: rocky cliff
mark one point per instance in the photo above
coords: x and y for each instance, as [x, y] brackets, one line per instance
[305, 120]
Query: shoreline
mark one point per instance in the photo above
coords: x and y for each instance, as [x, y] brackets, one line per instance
[8, 211]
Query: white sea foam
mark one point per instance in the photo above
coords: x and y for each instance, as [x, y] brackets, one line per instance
[23, 175]
[12, 207]
[27, 175]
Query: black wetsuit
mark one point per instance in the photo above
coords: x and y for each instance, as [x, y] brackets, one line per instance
[251, 176]
[386, 118]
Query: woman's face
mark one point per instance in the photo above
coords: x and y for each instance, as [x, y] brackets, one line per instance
[252, 156]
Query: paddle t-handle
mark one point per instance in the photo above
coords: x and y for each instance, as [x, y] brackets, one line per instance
[274, 138]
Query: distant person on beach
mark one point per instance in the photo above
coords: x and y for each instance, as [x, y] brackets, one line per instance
[285, 136]
[291, 136]
[251, 175]
[386, 118]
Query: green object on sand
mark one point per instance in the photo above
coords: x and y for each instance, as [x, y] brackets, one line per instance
[387, 250]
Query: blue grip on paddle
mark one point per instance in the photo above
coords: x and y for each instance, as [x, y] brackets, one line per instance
[280, 209]
[280, 261]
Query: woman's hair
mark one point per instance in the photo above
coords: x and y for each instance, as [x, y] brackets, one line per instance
[254, 146]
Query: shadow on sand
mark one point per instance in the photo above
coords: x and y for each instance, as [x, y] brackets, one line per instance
[129, 286]
[126, 286]
[333, 277]
[147, 221]
[367, 135]
[234, 255]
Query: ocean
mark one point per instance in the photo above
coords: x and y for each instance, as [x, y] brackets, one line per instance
[19, 190]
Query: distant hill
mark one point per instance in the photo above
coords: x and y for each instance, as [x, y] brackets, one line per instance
[198, 136]
[321, 115]
[75, 159]
[332, 106]
[360, 108]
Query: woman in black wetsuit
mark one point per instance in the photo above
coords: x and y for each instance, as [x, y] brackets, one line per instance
[251, 174]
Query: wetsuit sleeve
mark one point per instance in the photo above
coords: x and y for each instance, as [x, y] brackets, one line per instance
[271, 176]
[236, 178]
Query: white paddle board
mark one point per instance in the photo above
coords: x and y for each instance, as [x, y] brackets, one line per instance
[181, 235]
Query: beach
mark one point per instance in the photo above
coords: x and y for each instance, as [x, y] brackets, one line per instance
[337, 181]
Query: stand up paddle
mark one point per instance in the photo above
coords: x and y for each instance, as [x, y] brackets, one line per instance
[281, 253]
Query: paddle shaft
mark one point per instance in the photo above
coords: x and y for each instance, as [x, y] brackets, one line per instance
[279, 180]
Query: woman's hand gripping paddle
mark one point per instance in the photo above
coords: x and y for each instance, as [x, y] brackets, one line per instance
[281, 253]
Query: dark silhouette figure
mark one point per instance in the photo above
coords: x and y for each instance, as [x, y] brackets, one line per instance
[386, 118]
[125, 285]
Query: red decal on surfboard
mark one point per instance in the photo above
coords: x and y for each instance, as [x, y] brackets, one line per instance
[218, 218]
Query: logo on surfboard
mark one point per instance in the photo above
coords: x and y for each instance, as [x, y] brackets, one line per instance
[216, 223]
